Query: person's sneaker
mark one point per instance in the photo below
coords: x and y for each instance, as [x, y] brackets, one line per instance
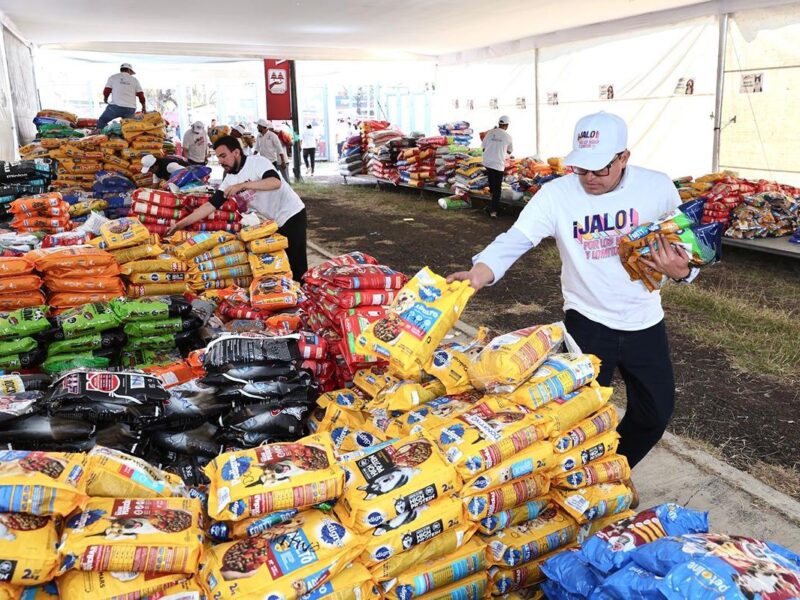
[493, 214]
[634, 493]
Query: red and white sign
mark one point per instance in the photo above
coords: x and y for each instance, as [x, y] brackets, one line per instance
[279, 97]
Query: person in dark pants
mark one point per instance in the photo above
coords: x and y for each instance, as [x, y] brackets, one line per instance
[497, 145]
[608, 315]
[309, 149]
[254, 180]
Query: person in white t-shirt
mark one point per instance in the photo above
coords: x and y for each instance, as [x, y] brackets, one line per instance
[195, 144]
[309, 148]
[270, 147]
[607, 314]
[265, 192]
[497, 145]
[124, 89]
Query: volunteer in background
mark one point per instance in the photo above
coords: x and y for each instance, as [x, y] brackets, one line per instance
[246, 141]
[496, 146]
[124, 88]
[195, 144]
[342, 133]
[609, 315]
[162, 168]
[269, 195]
[269, 146]
[309, 148]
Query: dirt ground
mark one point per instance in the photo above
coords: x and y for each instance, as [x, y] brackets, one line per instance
[747, 418]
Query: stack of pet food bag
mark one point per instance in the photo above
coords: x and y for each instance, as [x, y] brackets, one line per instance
[216, 260]
[378, 156]
[470, 174]
[446, 164]
[351, 162]
[43, 212]
[20, 287]
[343, 296]
[145, 135]
[681, 228]
[21, 179]
[459, 131]
[159, 210]
[417, 166]
[667, 552]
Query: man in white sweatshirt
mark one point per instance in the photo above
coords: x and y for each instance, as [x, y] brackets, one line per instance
[609, 315]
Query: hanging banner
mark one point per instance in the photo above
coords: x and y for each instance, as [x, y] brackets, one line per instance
[279, 98]
[752, 83]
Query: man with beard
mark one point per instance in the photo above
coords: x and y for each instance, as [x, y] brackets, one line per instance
[254, 181]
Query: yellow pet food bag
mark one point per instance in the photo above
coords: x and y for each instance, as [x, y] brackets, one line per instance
[255, 232]
[348, 430]
[450, 363]
[436, 413]
[406, 395]
[355, 582]
[514, 493]
[158, 277]
[503, 581]
[535, 458]
[115, 585]
[161, 535]
[287, 561]
[274, 243]
[10, 592]
[520, 544]
[373, 379]
[564, 413]
[226, 249]
[446, 543]
[416, 322]
[603, 420]
[384, 486]
[149, 249]
[161, 264]
[510, 359]
[42, 483]
[559, 375]
[609, 469]
[269, 264]
[592, 449]
[114, 474]
[594, 502]
[156, 289]
[123, 233]
[413, 528]
[513, 516]
[27, 548]
[273, 477]
[438, 573]
[352, 399]
[202, 242]
[488, 434]
[470, 588]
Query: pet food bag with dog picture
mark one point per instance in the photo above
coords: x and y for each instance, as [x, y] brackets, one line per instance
[287, 561]
[42, 483]
[161, 535]
[391, 482]
[273, 477]
[416, 322]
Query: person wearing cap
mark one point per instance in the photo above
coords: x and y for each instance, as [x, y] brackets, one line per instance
[309, 148]
[607, 314]
[497, 145]
[255, 181]
[246, 142]
[195, 144]
[269, 146]
[164, 167]
[123, 88]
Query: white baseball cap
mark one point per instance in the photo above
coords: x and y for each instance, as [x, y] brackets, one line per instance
[127, 66]
[148, 160]
[173, 166]
[198, 126]
[263, 123]
[503, 120]
[597, 138]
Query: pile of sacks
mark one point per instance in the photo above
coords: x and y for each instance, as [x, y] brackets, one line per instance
[216, 260]
[416, 166]
[460, 132]
[344, 296]
[77, 275]
[145, 134]
[20, 179]
[470, 174]
[382, 164]
[20, 287]
[43, 212]
[682, 228]
[446, 164]
[769, 214]
[79, 161]
[667, 552]
[159, 210]
[351, 162]
[369, 130]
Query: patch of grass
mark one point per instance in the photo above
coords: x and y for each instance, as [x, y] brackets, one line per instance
[757, 339]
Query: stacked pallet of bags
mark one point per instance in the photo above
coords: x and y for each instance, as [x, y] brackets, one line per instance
[382, 164]
[446, 164]
[344, 296]
[226, 218]
[44, 212]
[417, 166]
[351, 162]
[273, 289]
[146, 134]
[159, 210]
[20, 287]
[77, 275]
[470, 174]
[216, 259]
[459, 131]
[21, 344]
[370, 131]
[21, 179]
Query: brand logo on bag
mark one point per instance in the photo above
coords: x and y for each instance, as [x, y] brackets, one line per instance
[103, 382]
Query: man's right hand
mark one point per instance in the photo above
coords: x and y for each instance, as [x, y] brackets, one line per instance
[478, 276]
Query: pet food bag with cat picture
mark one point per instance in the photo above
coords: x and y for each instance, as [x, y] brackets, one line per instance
[273, 477]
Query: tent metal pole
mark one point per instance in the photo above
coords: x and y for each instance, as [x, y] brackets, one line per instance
[723, 38]
[536, 94]
[296, 148]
